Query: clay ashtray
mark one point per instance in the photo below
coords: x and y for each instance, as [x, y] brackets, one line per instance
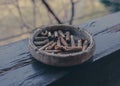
[61, 45]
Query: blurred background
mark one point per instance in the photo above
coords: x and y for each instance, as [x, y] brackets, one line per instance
[19, 18]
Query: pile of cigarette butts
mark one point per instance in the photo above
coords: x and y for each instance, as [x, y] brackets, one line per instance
[59, 42]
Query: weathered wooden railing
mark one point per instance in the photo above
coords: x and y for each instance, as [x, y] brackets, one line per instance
[18, 68]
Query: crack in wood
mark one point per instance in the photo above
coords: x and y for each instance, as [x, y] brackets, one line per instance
[19, 63]
[112, 29]
[115, 28]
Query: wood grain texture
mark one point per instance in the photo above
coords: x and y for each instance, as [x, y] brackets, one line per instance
[18, 68]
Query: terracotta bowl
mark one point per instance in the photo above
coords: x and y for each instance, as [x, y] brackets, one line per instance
[68, 59]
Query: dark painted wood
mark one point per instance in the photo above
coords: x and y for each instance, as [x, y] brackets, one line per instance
[18, 68]
[104, 72]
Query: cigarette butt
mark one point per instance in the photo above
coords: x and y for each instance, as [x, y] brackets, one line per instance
[49, 36]
[46, 45]
[62, 48]
[85, 45]
[44, 33]
[58, 44]
[61, 33]
[40, 43]
[56, 34]
[79, 43]
[63, 41]
[72, 41]
[68, 36]
[51, 46]
[73, 49]
[57, 47]
[69, 49]
[53, 51]
[40, 38]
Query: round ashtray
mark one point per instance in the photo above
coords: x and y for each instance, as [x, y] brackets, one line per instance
[61, 45]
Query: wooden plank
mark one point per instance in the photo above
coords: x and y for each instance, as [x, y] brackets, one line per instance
[20, 64]
[103, 72]
[17, 67]
[99, 25]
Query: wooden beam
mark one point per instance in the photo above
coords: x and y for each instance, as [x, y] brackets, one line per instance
[17, 67]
